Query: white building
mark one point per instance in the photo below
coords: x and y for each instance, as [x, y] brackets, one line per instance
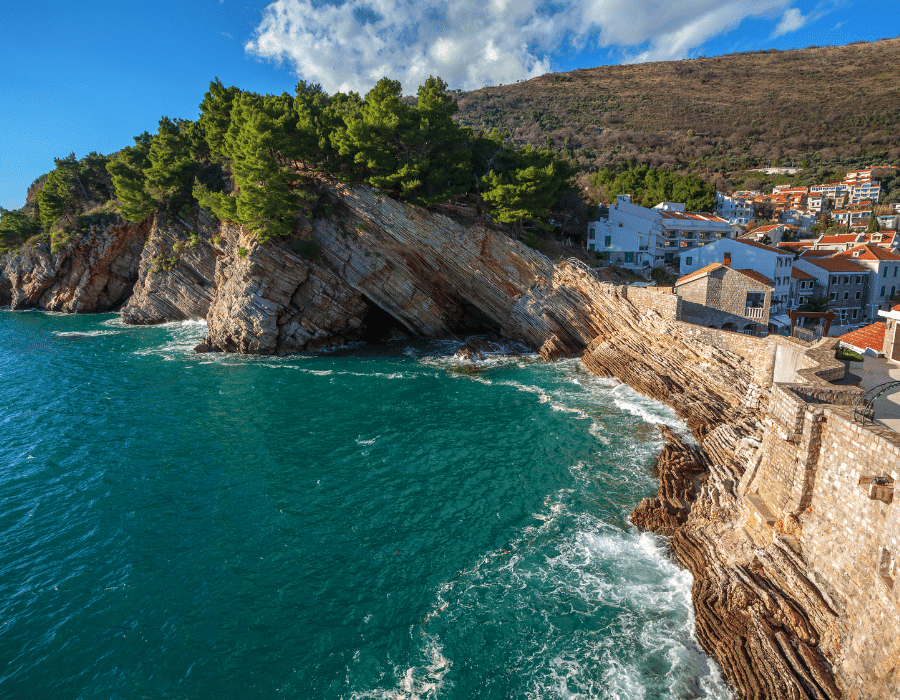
[734, 209]
[638, 237]
[744, 254]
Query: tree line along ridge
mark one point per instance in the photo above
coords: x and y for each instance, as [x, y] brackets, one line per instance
[259, 161]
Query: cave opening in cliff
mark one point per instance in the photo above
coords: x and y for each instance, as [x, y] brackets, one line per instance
[473, 321]
[379, 325]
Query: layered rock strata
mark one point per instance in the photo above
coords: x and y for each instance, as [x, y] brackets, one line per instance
[95, 271]
[176, 278]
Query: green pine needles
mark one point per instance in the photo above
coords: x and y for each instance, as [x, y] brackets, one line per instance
[259, 161]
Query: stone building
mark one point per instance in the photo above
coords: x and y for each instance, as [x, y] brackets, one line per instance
[717, 296]
[743, 254]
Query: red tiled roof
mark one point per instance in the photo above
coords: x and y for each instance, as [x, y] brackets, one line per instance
[799, 274]
[895, 308]
[871, 336]
[840, 238]
[816, 254]
[754, 275]
[838, 265]
[867, 251]
[696, 274]
[691, 216]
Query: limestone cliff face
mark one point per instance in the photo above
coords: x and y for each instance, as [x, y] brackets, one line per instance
[176, 279]
[271, 300]
[96, 271]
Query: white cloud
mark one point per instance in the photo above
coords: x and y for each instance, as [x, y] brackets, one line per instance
[791, 21]
[351, 44]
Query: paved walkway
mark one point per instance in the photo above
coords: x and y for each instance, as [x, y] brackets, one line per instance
[874, 371]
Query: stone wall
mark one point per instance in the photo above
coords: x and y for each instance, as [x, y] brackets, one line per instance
[666, 304]
[823, 485]
[851, 541]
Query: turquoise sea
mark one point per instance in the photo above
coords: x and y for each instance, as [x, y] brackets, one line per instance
[374, 522]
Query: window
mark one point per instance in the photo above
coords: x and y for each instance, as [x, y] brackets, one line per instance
[689, 260]
[882, 291]
[884, 274]
[607, 241]
[854, 314]
[859, 279]
[845, 279]
[895, 272]
[755, 300]
[858, 295]
[846, 295]
[833, 296]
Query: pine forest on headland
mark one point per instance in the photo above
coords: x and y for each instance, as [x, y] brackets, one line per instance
[514, 153]
[259, 160]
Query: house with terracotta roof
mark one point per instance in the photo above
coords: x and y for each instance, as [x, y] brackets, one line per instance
[884, 239]
[773, 232]
[743, 254]
[841, 241]
[718, 296]
[843, 283]
[640, 237]
[868, 340]
[883, 267]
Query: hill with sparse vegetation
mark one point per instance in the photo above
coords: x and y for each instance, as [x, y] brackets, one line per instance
[828, 107]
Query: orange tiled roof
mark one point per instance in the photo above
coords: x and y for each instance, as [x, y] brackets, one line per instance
[868, 251]
[838, 265]
[696, 274]
[799, 274]
[840, 238]
[754, 275]
[871, 336]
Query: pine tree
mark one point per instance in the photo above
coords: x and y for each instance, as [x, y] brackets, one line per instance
[127, 172]
[172, 168]
[529, 188]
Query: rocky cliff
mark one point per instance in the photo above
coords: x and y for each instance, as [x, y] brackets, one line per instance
[95, 271]
[740, 499]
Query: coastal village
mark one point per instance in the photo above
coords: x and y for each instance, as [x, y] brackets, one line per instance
[767, 324]
[760, 261]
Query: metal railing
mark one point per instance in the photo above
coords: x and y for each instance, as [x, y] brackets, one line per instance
[864, 408]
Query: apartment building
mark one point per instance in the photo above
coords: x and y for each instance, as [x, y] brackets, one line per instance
[843, 282]
[883, 269]
[639, 237]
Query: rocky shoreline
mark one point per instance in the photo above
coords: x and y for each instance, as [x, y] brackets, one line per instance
[754, 509]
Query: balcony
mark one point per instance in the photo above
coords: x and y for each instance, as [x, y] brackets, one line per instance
[754, 312]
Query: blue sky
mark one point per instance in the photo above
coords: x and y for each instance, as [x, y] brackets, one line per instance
[88, 76]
